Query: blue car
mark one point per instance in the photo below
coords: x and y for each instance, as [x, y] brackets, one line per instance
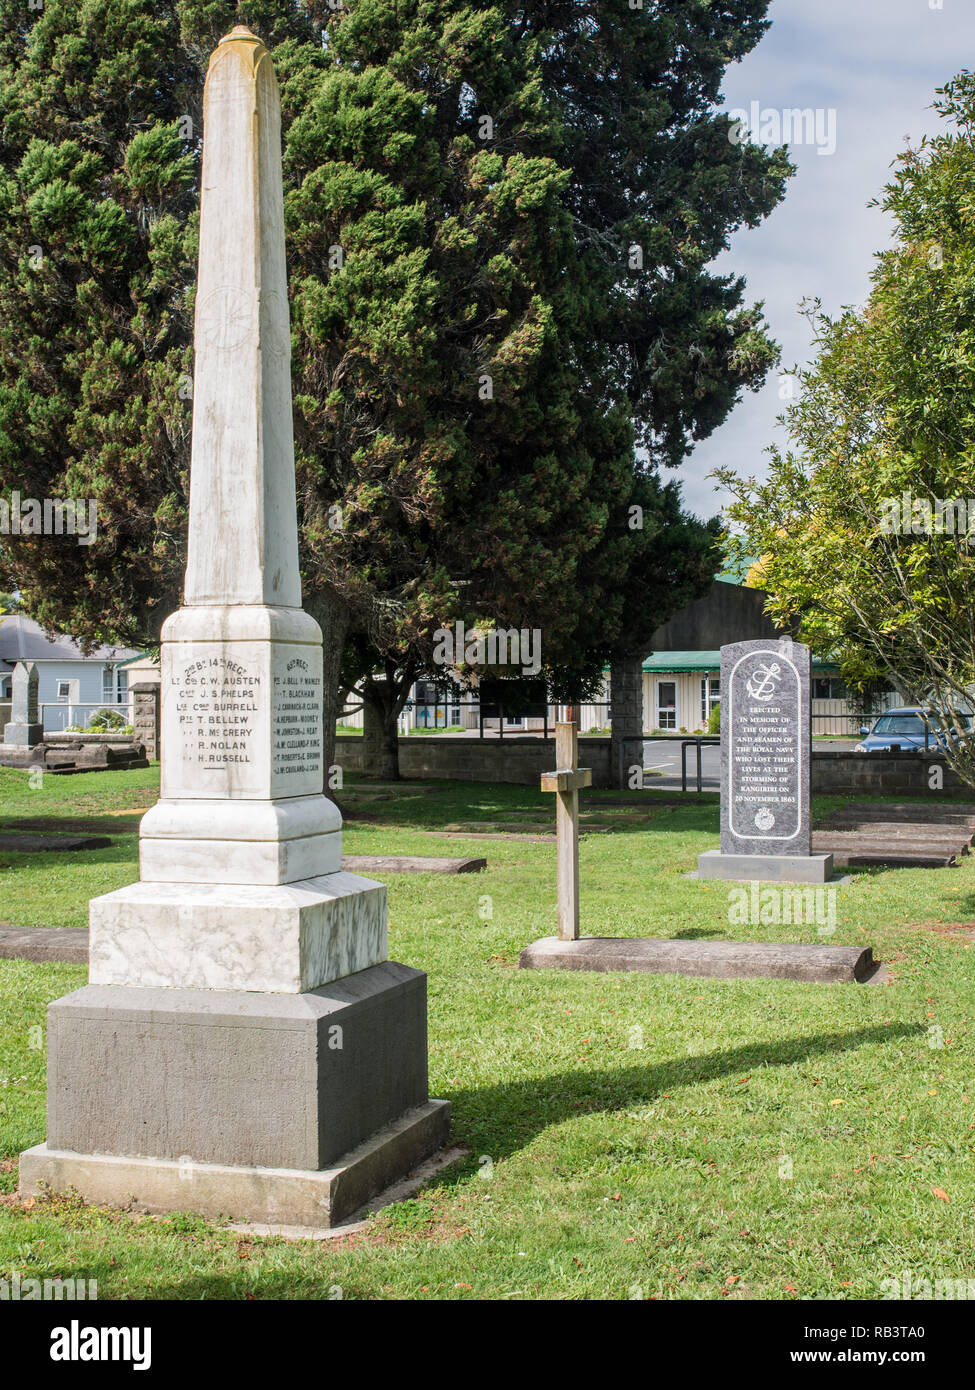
[912, 729]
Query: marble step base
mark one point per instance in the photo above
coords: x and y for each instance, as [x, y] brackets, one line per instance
[277, 939]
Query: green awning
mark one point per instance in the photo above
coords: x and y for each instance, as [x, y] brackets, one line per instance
[674, 663]
[670, 663]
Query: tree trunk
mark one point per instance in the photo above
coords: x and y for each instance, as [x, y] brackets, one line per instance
[332, 616]
[383, 698]
[378, 760]
[380, 728]
[626, 714]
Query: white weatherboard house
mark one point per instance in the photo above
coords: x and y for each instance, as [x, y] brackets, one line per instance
[71, 685]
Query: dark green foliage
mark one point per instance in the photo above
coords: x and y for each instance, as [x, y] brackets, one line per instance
[462, 258]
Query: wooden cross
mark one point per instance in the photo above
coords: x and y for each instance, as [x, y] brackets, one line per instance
[565, 781]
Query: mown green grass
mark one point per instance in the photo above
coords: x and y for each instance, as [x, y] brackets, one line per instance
[628, 1135]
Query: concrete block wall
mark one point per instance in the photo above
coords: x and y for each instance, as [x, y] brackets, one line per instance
[517, 760]
[523, 760]
[887, 774]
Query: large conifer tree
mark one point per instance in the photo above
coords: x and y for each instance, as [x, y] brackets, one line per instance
[499, 219]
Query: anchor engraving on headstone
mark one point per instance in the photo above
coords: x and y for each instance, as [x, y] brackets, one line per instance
[765, 759]
[201, 1060]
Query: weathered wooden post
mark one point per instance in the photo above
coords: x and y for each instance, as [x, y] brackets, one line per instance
[565, 781]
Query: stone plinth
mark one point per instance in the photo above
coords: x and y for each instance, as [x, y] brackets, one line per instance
[766, 868]
[283, 939]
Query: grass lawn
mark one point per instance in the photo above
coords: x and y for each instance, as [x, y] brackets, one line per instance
[629, 1135]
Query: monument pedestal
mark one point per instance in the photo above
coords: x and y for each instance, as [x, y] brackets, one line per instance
[766, 868]
[280, 1108]
[282, 939]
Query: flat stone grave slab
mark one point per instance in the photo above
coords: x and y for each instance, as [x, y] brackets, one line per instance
[377, 788]
[481, 835]
[841, 842]
[725, 960]
[871, 833]
[39, 844]
[536, 827]
[68, 944]
[899, 832]
[78, 825]
[410, 864]
[901, 812]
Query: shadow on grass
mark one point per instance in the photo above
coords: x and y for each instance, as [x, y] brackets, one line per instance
[498, 1120]
[501, 1119]
[121, 853]
[696, 933]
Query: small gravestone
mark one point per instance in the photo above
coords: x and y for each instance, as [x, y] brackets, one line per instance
[765, 753]
[25, 729]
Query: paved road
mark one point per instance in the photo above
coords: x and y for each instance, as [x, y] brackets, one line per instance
[664, 756]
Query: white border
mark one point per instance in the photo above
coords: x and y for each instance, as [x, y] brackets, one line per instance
[762, 651]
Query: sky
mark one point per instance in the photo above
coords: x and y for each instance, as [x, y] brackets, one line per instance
[876, 63]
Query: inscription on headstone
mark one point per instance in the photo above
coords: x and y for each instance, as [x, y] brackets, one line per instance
[765, 746]
[296, 725]
[216, 702]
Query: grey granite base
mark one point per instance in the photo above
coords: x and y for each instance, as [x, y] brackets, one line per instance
[236, 1079]
[279, 1196]
[766, 868]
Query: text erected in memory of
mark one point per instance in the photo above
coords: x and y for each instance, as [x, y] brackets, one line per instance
[765, 758]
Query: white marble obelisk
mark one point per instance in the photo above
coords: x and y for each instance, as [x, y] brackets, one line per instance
[243, 1048]
[241, 807]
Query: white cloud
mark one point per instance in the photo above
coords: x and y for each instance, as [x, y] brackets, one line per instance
[878, 63]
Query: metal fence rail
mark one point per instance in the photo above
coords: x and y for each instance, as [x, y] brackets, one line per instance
[61, 715]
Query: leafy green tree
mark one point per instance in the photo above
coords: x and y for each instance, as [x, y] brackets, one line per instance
[864, 546]
[499, 219]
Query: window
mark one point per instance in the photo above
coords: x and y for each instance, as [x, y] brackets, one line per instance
[666, 704]
[828, 688]
[108, 684]
[64, 690]
[123, 687]
[710, 696]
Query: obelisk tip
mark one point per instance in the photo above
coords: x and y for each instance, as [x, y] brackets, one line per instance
[240, 31]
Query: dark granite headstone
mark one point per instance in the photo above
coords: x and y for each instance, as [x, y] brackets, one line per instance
[765, 748]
